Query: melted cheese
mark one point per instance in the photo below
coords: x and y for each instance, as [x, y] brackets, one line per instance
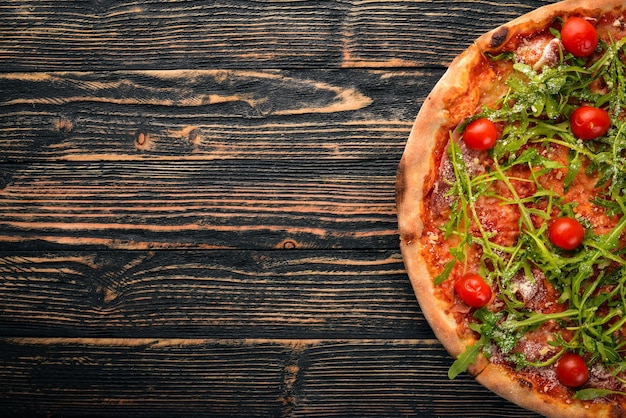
[539, 51]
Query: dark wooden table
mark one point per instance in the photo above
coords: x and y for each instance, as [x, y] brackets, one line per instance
[197, 207]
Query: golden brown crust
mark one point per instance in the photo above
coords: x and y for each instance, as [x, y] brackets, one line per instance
[521, 392]
[491, 41]
[416, 174]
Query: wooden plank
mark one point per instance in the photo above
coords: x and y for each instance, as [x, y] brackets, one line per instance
[209, 114]
[156, 378]
[241, 377]
[124, 34]
[343, 294]
[390, 378]
[223, 204]
[420, 33]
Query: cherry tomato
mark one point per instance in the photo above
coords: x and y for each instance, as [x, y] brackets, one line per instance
[571, 370]
[588, 122]
[473, 290]
[579, 37]
[480, 134]
[566, 233]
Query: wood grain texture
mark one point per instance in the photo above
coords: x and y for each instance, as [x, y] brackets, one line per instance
[110, 35]
[204, 159]
[226, 294]
[241, 377]
[221, 204]
[208, 115]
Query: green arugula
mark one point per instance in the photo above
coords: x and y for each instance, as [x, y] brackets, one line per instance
[591, 280]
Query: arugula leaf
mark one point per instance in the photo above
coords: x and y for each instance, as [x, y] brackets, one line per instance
[591, 393]
[457, 255]
[466, 358]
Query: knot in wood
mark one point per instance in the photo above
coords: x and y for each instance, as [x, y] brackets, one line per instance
[288, 244]
[142, 140]
[5, 179]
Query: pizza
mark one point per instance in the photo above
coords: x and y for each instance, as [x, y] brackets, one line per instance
[511, 199]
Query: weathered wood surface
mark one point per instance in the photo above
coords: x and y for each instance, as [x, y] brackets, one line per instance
[229, 294]
[209, 115]
[74, 35]
[147, 159]
[241, 377]
[197, 207]
[220, 204]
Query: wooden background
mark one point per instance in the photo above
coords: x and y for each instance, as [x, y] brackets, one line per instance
[197, 207]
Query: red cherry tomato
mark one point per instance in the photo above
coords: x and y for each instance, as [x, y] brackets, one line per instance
[566, 233]
[589, 122]
[571, 370]
[579, 37]
[473, 290]
[480, 134]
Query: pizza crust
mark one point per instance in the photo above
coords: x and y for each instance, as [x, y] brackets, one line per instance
[415, 177]
[521, 392]
[491, 41]
[416, 173]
